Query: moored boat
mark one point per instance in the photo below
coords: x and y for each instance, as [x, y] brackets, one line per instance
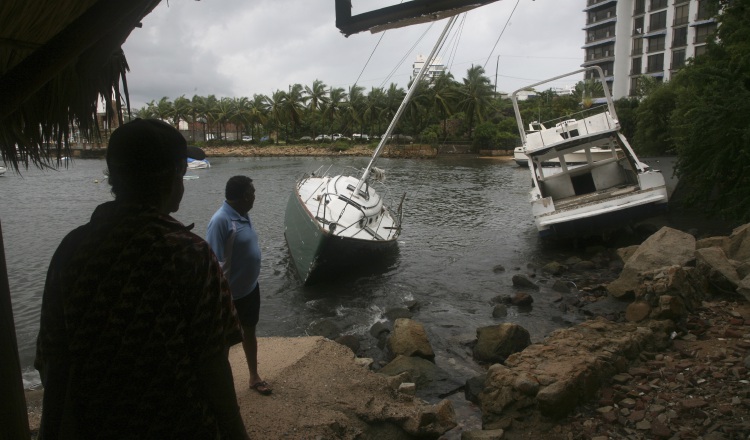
[572, 158]
[594, 196]
[337, 223]
[198, 164]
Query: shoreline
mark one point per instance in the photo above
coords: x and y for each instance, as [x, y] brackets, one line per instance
[411, 151]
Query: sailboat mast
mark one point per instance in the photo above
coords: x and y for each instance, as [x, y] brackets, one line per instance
[405, 101]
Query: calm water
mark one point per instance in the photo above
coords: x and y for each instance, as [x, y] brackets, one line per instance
[463, 216]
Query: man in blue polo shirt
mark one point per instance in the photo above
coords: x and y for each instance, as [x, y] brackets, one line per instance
[231, 235]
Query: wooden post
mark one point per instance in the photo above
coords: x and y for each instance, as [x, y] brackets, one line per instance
[14, 417]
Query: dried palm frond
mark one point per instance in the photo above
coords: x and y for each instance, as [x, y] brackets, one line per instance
[58, 59]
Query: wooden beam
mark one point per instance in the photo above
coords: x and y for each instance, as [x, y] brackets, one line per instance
[403, 14]
[14, 417]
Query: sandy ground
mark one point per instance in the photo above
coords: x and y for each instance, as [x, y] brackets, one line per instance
[320, 391]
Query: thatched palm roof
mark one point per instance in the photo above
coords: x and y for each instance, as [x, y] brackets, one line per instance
[57, 57]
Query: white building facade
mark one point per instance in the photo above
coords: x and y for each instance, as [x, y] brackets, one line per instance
[434, 70]
[630, 38]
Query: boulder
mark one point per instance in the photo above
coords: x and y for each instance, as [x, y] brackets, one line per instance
[637, 311]
[738, 243]
[410, 339]
[325, 328]
[665, 248]
[682, 282]
[395, 313]
[554, 268]
[496, 342]
[422, 373]
[522, 299]
[500, 311]
[567, 368]
[626, 252]
[744, 287]
[714, 265]
[522, 281]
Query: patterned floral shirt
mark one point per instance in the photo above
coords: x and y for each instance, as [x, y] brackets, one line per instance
[133, 304]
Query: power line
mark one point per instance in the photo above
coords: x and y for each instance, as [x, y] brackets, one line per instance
[501, 33]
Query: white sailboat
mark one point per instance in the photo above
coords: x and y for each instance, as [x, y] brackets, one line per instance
[339, 222]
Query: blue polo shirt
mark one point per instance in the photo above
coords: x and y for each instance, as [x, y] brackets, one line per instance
[235, 243]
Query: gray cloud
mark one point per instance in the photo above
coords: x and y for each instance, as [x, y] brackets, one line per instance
[243, 47]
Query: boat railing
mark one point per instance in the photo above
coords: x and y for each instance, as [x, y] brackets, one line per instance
[591, 125]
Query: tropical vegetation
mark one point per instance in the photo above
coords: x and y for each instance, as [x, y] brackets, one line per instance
[701, 115]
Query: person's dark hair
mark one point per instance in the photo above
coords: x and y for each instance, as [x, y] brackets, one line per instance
[237, 186]
[142, 158]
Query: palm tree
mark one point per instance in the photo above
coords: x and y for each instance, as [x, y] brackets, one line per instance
[211, 109]
[257, 112]
[200, 113]
[241, 115]
[223, 112]
[164, 109]
[333, 108]
[293, 107]
[476, 95]
[316, 98]
[418, 106]
[182, 111]
[373, 108]
[274, 108]
[355, 106]
[392, 100]
[443, 96]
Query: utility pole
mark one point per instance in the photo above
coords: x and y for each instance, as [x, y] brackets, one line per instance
[496, 66]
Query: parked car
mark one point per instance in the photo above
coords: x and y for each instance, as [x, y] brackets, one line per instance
[265, 139]
[305, 139]
[322, 137]
[357, 136]
[247, 138]
[339, 136]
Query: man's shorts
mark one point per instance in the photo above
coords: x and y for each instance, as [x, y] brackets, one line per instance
[248, 308]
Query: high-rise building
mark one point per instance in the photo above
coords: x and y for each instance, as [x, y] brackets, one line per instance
[433, 70]
[630, 38]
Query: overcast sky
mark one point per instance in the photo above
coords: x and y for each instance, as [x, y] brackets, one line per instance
[237, 48]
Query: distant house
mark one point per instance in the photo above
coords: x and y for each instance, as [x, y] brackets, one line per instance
[434, 70]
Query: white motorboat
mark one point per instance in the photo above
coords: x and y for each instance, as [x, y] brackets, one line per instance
[197, 164]
[337, 223]
[573, 158]
[599, 194]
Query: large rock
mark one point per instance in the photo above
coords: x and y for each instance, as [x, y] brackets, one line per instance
[680, 282]
[496, 342]
[713, 264]
[744, 287]
[667, 247]
[410, 339]
[423, 373]
[738, 244]
[567, 368]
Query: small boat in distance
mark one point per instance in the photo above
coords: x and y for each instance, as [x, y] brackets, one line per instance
[196, 164]
[600, 193]
[574, 158]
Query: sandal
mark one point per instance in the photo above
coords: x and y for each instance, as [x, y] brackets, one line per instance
[262, 387]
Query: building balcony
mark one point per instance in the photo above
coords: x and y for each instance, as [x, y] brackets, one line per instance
[603, 21]
[595, 4]
[598, 42]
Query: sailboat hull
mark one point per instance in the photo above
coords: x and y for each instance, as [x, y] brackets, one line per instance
[320, 254]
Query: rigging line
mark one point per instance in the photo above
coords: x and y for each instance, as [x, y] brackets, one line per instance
[401, 61]
[370, 58]
[456, 40]
[501, 33]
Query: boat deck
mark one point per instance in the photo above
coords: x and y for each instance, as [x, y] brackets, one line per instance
[586, 200]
